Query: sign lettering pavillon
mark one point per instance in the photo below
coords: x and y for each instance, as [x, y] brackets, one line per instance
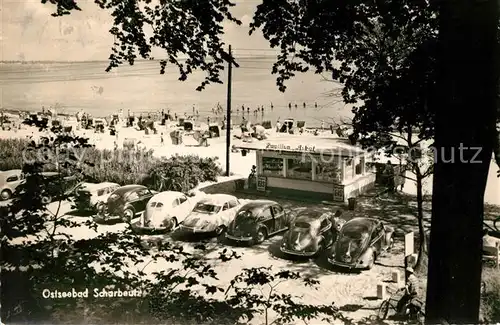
[280, 146]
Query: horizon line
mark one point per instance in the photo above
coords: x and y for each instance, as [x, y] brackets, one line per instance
[138, 60]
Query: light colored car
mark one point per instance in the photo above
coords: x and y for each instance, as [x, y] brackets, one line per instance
[91, 195]
[9, 181]
[213, 213]
[55, 188]
[166, 210]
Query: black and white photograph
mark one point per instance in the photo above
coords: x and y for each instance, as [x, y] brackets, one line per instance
[260, 162]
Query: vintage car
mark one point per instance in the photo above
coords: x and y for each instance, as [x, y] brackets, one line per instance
[310, 232]
[360, 242]
[125, 203]
[55, 188]
[166, 210]
[9, 181]
[90, 196]
[257, 220]
[213, 213]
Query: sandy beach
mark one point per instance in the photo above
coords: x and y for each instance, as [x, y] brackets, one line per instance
[239, 165]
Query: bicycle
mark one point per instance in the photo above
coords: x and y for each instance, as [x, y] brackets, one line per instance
[414, 312]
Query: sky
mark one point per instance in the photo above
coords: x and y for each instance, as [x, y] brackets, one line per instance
[28, 32]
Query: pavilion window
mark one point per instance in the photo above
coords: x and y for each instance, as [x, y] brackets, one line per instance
[299, 168]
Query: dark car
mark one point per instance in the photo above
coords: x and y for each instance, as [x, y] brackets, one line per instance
[256, 221]
[360, 242]
[125, 202]
[310, 232]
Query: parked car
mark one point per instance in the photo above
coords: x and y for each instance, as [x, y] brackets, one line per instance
[125, 203]
[213, 213]
[360, 242]
[9, 181]
[89, 196]
[166, 210]
[311, 232]
[56, 186]
[257, 220]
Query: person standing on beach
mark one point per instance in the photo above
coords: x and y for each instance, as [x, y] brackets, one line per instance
[295, 106]
[322, 125]
[290, 106]
[161, 139]
[304, 105]
[193, 109]
[278, 126]
[208, 120]
[248, 110]
[315, 105]
[272, 107]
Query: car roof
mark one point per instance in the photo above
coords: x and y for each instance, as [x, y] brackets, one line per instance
[371, 222]
[97, 186]
[128, 188]
[217, 199]
[311, 215]
[258, 204]
[167, 195]
[8, 173]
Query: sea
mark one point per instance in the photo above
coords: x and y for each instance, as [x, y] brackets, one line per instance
[73, 86]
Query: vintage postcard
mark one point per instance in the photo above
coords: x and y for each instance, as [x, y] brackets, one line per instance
[192, 187]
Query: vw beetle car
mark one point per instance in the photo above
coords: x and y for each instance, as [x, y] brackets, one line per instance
[310, 232]
[213, 213]
[257, 220]
[166, 210]
[91, 195]
[124, 203]
[360, 242]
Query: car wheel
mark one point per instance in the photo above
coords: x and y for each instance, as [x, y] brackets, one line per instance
[261, 236]
[220, 230]
[46, 199]
[383, 310]
[171, 223]
[100, 207]
[6, 194]
[128, 215]
[371, 261]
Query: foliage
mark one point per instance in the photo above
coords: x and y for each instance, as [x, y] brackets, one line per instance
[183, 173]
[490, 299]
[11, 153]
[122, 166]
[255, 290]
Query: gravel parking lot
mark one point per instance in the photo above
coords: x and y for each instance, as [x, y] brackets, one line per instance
[354, 293]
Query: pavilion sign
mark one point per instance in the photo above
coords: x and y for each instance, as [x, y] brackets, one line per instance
[300, 148]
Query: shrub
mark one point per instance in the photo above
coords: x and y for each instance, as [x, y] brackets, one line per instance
[490, 298]
[11, 153]
[182, 173]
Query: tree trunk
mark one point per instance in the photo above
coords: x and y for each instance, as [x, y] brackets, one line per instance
[422, 250]
[465, 117]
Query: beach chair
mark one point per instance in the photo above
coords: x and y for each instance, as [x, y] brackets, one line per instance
[188, 126]
[214, 131]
